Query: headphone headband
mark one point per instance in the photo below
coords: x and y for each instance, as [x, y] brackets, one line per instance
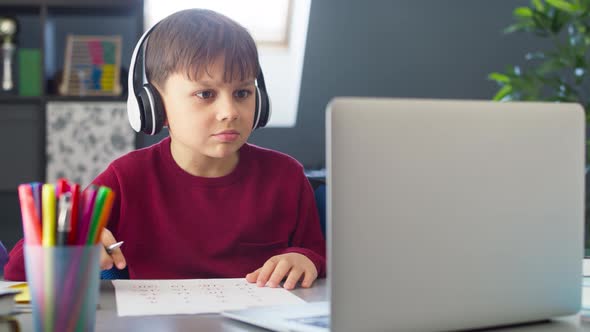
[133, 111]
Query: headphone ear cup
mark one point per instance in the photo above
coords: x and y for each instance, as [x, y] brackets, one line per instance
[152, 109]
[262, 114]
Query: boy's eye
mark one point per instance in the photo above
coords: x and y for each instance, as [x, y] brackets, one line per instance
[241, 94]
[205, 94]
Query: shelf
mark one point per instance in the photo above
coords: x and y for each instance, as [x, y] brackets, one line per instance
[86, 99]
[8, 99]
[74, 4]
[106, 22]
[19, 8]
[21, 3]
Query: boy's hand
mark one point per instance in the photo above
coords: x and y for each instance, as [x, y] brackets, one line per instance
[277, 267]
[116, 257]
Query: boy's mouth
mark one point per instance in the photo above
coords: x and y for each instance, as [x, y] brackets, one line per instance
[227, 135]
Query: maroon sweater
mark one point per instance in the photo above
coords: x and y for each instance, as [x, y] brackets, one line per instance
[176, 225]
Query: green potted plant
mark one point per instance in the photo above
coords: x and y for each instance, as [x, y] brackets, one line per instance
[557, 74]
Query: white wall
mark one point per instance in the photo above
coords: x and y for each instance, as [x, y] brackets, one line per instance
[282, 68]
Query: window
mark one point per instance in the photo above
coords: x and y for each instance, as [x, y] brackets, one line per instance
[280, 30]
[267, 20]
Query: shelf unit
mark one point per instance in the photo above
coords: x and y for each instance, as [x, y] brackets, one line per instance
[44, 25]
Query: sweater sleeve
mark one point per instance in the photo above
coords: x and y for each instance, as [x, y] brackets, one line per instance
[307, 239]
[15, 268]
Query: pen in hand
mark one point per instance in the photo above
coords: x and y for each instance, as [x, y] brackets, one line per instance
[113, 246]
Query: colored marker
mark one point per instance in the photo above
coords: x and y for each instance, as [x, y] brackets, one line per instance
[75, 216]
[36, 188]
[88, 198]
[106, 213]
[61, 186]
[49, 229]
[101, 196]
[30, 219]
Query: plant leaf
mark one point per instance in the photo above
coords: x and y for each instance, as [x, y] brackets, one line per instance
[523, 12]
[538, 4]
[521, 26]
[503, 92]
[499, 77]
[541, 22]
[564, 5]
[558, 21]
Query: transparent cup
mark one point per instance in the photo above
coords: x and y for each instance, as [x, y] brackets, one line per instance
[64, 286]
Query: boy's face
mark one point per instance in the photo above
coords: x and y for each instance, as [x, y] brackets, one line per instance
[209, 117]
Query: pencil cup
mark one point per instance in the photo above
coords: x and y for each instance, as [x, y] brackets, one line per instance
[64, 285]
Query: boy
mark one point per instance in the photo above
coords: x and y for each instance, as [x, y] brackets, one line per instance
[203, 203]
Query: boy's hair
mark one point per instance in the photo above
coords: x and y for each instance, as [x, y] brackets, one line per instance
[190, 40]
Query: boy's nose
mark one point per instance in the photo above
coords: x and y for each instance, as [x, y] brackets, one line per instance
[227, 110]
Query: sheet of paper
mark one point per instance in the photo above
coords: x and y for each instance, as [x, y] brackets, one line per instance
[194, 296]
[585, 312]
[586, 297]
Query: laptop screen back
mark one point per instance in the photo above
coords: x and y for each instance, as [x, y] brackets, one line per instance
[446, 215]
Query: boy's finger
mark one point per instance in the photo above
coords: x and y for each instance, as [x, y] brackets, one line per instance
[107, 238]
[279, 273]
[265, 272]
[310, 276]
[293, 278]
[252, 276]
[116, 256]
[106, 262]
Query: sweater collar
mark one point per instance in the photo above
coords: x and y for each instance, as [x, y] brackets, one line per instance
[236, 174]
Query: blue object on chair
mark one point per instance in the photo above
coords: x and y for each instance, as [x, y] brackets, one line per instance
[318, 184]
[114, 273]
[320, 201]
[3, 257]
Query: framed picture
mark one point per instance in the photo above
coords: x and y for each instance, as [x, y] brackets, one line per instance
[92, 66]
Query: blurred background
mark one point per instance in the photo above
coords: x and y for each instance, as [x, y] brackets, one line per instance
[67, 60]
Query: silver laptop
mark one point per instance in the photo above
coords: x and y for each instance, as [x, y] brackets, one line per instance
[450, 215]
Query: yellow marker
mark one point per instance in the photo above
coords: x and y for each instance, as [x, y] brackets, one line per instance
[48, 207]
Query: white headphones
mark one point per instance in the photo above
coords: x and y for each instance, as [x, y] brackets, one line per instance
[145, 108]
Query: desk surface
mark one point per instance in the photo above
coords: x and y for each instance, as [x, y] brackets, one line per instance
[108, 321]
